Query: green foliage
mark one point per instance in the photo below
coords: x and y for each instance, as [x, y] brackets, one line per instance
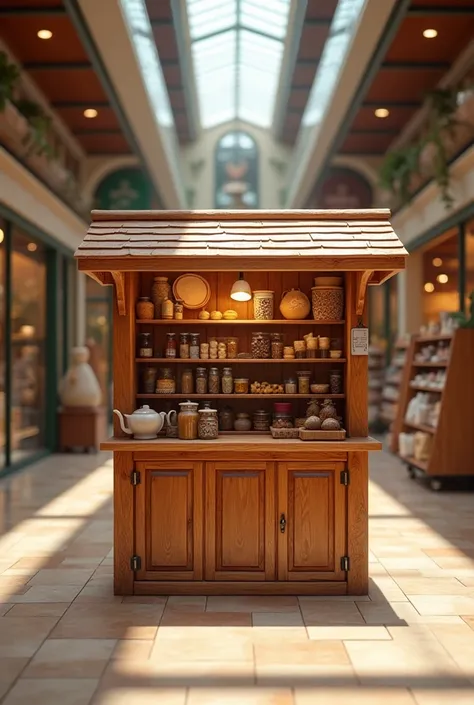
[38, 138]
[398, 169]
[9, 76]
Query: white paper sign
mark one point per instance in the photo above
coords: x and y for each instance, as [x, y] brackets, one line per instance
[360, 341]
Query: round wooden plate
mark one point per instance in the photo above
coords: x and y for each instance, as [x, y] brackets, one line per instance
[193, 289]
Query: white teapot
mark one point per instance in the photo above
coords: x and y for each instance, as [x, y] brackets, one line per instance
[144, 423]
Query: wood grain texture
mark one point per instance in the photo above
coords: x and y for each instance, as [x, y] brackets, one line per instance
[357, 525]
[120, 296]
[124, 346]
[356, 381]
[250, 446]
[323, 587]
[237, 215]
[124, 506]
[362, 283]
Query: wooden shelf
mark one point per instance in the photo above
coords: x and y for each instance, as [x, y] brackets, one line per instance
[237, 322]
[240, 361]
[421, 388]
[216, 397]
[429, 364]
[244, 433]
[420, 427]
[421, 464]
[433, 338]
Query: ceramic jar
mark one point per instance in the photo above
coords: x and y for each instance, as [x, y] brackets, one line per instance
[208, 426]
[188, 421]
[294, 305]
[226, 419]
[261, 420]
[79, 386]
[242, 422]
[160, 291]
[167, 309]
[145, 309]
[263, 305]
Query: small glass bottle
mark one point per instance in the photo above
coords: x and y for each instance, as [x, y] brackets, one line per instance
[335, 381]
[201, 380]
[214, 381]
[145, 348]
[149, 380]
[277, 346]
[170, 345]
[194, 346]
[291, 386]
[178, 310]
[227, 381]
[184, 346]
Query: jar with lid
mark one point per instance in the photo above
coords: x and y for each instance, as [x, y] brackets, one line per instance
[261, 420]
[300, 349]
[304, 377]
[208, 425]
[282, 415]
[145, 348]
[263, 305]
[166, 383]
[187, 381]
[184, 346]
[194, 346]
[178, 310]
[145, 309]
[201, 380]
[312, 347]
[335, 381]
[159, 292]
[324, 347]
[167, 309]
[170, 345]
[232, 347]
[188, 421]
[214, 381]
[227, 381]
[242, 422]
[149, 380]
[291, 386]
[260, 346]
[226, 419]
[241, 385]
[277, 345]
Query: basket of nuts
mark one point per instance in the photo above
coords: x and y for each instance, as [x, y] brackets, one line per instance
[265, 388]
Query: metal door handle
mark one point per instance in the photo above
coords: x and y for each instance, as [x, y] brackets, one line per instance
[282, 523]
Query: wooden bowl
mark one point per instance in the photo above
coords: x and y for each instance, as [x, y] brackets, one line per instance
[319, 388]
[335, 354]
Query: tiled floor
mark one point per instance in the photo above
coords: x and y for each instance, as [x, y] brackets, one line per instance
[65, 640]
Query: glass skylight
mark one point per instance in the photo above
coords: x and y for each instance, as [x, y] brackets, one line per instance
[237, 48]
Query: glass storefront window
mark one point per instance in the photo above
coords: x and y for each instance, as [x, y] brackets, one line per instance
[469, 245]
[441, 277]
[98, 332]
[2, 348]
[28, 336]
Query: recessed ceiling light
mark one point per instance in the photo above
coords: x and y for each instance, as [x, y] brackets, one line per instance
[430, 33]
[45, 34]
[382, 112]
[442, 278]
[32, 247]
[90, 113]
[437, 262]
[429, 287]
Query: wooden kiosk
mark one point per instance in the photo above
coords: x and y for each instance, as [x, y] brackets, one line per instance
[245, 513]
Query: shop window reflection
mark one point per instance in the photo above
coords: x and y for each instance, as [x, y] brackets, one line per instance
[441, 276]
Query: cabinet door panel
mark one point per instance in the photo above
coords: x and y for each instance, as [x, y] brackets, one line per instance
[240, 529]
[169, 521]
[313, 502]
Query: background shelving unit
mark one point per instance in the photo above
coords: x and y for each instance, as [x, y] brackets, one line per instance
[452, 444]
[391, 388]
[377, 353]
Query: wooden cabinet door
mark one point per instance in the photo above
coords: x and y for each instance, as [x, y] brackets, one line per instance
[240, 521]
[311, 521]
[169, 521]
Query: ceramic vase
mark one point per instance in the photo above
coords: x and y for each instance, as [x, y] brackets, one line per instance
[80, 387]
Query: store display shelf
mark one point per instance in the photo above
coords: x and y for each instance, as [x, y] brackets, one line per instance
[237, 322]
[244, 433]
[421, 464]
[420, 427]
[430, 364]
[389, 400]
[236, 360]
[433, 338]
[421, 388]
[216, 397]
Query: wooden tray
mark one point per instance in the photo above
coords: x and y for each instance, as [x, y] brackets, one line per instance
[193, 290]
[306, 435]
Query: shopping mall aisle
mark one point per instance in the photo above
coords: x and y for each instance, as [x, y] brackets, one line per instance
[65, 640]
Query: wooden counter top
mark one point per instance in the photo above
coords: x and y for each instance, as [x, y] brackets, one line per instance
[242, 443]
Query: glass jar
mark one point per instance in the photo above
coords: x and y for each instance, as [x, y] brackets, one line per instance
[149, 380]
[242, 422]
[291, 386]
[166, 383]
[241, 385]
[167, 310]
[226, 419]
[170, 345]
[208, 425]
[281, 420]
[214, 381]
[300, 349]
[145, 348]
[277, 345]
[194, 346]
[188, 421]
[261, 420]
[184, 346]
[145, 309]
[204, 351]
[187, 381]
[303, 381]
[260, 346]
[201, 380]
[159, 292]
[335, 381]
[227, 381]
[312, 347]
[232, 347]
[263, 305]
[178, 310]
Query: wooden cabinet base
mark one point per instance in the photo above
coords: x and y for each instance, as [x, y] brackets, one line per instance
[240, 588]
[82, 427]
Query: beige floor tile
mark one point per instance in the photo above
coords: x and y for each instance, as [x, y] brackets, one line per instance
[252, 604]
[205, 619]
[350, 632]
[431, 586]
[70, 658]
[253, 696]
[186, 603]
[384, 588]
[20, 637]
[277, 619]
[5, 607]
[10, 669]
[278, 634]
[39, 609]
[133, 649]
[52, 691]
[396, 614]
[443, 697]
[469, 620]
[144, 599]
[49, 593]
[139, 696]
[307, 653]
[116, 621]
[443, 604]
[306, 676]
[356, 696]
[228, 646]
[59, 576]
[329, 613]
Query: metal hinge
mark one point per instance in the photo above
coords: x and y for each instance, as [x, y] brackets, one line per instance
[135, 478]
[345, 563]
[344, 477]
[135, 563]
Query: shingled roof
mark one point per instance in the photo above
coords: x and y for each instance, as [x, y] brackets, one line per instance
[122, 239]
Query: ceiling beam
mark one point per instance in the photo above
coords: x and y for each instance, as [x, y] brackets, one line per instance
[101, 131]
[14, 11]
[157, 22]
[416, 65]
[56, 66]
[80, 104]
[375, 131]
[183, 40]
[392, 104]
[440, 11]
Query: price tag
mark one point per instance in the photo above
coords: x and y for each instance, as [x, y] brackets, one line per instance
[360, 341]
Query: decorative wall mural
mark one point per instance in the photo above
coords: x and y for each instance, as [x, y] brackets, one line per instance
[124, 189]
[342, 188]
[236, 171]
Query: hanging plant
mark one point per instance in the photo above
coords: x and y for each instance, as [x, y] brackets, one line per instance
[38, 139]
[9, 76]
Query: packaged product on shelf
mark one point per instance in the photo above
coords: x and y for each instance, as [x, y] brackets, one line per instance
[149, 380]
[304, 377]
[232, 347]
[204, 351]
[260, 346]
[227, 381]
[194, 346]
[184, 346]
[187, 381]
[165, 383]
[145, 348]
[241, 385]
[201, 380]
[170, 350]
[213, 381]
[178, 310]
[276, 345]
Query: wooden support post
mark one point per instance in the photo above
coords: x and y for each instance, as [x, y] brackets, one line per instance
[125, 384]
[123, 524]
[357, 524]
[356, 382]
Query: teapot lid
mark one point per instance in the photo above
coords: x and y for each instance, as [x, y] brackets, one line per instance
[145, 409]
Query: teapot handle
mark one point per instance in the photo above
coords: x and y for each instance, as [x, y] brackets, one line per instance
[169, 417]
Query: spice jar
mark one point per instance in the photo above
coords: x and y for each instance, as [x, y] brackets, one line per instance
[260, 346]
[194, 346]
[166, 383]
[201, 380]
[232, 347]
[288, 352]
[276, 345]
[226, 419]
[170, 345]
[184, 346]
[227, 381]
[187, 381]
[300, 349]
[261, 420]
[324, 347]
[241, 385]
[167, 309]
[303, 381]
[242, 422]
[312, 347]
[149, 380]
[145, 348]
[178, 310]
[214, 381]
[263, 305]
[290, 386]
[335, 381]
[208, 426]
[188, 421]
[145, 309]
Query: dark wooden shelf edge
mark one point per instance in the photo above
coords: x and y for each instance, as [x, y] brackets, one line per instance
[238, 322]
[216, 397]
[234, 360]
[420, 427]
[421, 464]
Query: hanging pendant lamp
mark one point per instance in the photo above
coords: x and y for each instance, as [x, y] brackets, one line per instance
[241, 290]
